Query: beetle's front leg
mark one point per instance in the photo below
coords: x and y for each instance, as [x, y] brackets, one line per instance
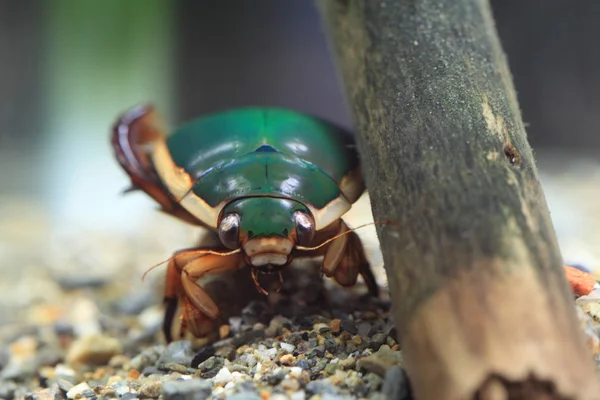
[199, 310]
[345, 259]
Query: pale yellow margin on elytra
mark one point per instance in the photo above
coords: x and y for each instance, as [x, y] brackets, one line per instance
[330, 213]
[353, 185]
[179, 184]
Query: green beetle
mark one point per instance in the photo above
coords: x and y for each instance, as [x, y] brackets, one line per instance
[271, 184]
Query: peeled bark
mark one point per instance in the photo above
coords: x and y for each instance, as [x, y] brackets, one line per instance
[479, 297]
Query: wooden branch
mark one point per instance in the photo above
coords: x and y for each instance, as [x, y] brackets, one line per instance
[479, 296]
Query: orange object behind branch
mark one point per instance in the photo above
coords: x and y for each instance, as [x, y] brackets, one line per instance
[582, 283]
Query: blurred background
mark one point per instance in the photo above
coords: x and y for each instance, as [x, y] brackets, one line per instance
[69, 68]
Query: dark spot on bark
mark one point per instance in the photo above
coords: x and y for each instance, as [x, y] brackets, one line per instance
[512, 155]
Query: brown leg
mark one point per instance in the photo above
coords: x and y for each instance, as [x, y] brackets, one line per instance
[132, 134]
[345, 259]
[199, 310]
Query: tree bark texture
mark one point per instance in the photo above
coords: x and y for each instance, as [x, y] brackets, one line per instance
[480, 301]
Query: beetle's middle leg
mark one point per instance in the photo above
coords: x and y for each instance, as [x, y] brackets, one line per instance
[345, 259]
[199, 309]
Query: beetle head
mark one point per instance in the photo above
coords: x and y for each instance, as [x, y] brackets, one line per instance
[267, 229]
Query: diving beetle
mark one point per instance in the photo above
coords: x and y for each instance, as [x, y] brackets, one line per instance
[271, 184]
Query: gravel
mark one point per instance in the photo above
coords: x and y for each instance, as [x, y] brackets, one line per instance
[98, 336]
[103, 341]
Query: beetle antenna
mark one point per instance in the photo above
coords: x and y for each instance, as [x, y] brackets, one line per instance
[200, 253]
[385, 221]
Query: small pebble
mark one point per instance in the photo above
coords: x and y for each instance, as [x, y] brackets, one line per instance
[374, 380]
[147, 358]
[174, 367]
[287, 359]
[204, 354]
[321, 327]
[321, 387]
[380, 361]
[276, 324]
[245, 396]
[45, 394]
[83, 390]
[179, 352]
[290, 384]
[64, 385]
[302, 364]
[191, 389]
[377, 340]
[133, 374]
[93, 350]
[151, 389]
[348, 363]
[211, 363]
[128, 396]
[350, 327]
[299, 395]
[295, 338]
[335, 325]
[288, 347]
[223, 377]
[363, 328]
[235, 324]
[224, 331]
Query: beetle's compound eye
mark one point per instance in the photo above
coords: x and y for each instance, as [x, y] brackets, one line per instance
[229, 231]
[305, 228]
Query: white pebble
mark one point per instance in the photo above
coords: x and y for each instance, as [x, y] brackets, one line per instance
[250, 360]
[238, 376]
[63, 371]
[223, 377]
[288, 347]
[93, 350]
[84, 315]
[299, 395]
[290, 384]
[229, 385]
[76, 391]
[271, 352]
[295, 372]
[218, 390]
[151, 317]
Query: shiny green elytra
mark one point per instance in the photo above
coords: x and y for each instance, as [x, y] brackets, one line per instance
[271, 184]
[265, 154]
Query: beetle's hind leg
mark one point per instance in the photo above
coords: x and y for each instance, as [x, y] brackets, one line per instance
[199, 309]
[133, 136]
[345, 259]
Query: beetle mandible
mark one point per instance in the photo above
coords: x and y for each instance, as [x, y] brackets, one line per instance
[271, 183]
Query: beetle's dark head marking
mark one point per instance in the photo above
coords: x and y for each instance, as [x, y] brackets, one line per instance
[266, 148]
